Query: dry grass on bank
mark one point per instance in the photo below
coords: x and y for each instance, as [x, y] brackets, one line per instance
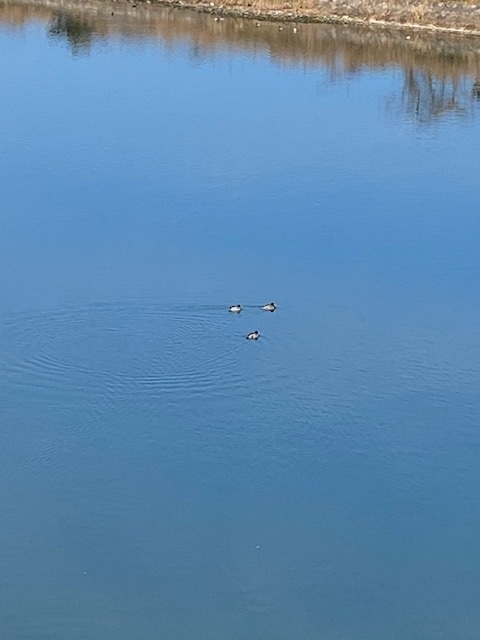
[447, 14]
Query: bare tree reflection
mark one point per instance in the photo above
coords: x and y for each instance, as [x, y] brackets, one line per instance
[74, 28]
[440, 75]
[426, 98]
[476, 90]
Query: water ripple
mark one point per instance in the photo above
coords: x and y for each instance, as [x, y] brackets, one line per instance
[108, 353]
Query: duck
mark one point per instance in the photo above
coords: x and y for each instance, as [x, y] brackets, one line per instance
[235, 308]
[253, 335]
[271, 306]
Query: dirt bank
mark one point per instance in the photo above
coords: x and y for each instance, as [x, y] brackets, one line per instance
[449, 16]
[457, 17]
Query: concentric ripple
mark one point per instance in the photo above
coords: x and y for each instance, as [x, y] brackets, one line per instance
[122, 350]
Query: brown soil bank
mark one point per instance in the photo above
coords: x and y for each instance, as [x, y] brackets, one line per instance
[462, 16]
[448, 16]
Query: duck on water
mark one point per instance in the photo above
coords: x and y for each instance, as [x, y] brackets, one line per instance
[253, 335]
[271, 306]
[235, 308]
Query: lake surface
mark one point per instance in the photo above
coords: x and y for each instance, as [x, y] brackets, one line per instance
[160, 476]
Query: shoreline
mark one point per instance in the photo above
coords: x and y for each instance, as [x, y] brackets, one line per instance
[456, 18]
[409, 17]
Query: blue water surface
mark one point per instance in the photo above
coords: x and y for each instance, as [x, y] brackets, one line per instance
[160, 476]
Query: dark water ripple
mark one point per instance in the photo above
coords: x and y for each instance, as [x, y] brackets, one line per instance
[85, 365]
[122, 351]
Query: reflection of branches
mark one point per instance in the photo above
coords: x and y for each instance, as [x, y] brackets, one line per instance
[441, 75]
[77, 31]
[426, 97]
[476, 90]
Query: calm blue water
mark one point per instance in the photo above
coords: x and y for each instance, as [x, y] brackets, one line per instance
[160, 476]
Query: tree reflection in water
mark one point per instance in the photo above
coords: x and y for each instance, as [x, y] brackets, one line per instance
[74, 28]
[476, 90]
[426, 98]
[441, 75]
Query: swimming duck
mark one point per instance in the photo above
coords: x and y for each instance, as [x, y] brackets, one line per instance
[253, 335]
[271, 306]
[235, 308]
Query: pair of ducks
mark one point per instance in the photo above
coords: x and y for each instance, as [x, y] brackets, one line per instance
[236, 308]
[253, 335]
